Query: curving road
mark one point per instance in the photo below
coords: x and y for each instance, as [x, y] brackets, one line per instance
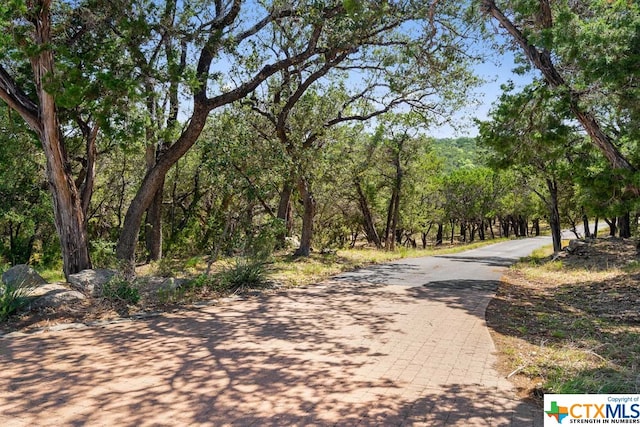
[403, 343]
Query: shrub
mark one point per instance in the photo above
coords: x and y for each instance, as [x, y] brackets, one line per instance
[247, 272]
[13, 298]
[118, 289]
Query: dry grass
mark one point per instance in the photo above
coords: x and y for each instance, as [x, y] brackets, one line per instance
[571, 324]
[283, 270]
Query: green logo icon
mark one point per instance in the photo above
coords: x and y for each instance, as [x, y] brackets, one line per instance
[558, 412]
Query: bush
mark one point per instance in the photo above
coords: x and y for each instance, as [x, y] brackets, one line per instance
[119, 290]
[247, 272]
[13, 298]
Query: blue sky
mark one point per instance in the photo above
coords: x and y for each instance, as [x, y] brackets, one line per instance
[495, 75]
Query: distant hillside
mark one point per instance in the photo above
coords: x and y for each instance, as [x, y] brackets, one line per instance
[458, 152]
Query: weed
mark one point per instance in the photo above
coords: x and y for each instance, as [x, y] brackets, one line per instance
[13, 298]
[632, 267]
[193, 262]
[247, 273]
[119, 290]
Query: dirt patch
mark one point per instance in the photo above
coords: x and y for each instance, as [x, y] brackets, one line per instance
[571, 323]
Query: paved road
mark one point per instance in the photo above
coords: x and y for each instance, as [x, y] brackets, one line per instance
[400, 344]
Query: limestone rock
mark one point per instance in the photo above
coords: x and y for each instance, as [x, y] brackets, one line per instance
[54, 295]
[22, 275]
[90, 282]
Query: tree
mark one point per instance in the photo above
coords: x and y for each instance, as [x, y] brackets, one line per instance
[25, 208]
[570, 44]
[33, 21]
[230, 34]
[528, 133]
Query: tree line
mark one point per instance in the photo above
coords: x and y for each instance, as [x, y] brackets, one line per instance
[202, 125]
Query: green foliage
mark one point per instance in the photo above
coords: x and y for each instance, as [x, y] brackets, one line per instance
[119, 290]
[13, 298]
[246, 273]
[103, 253]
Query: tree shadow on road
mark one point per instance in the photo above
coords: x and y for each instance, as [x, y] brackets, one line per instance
[491, 261]
[278, 359]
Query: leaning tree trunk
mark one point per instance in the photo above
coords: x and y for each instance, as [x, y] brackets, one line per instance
[613, 228]
[367, 217]
[307, 217]
[68, 214]
[554, 216]
[154, 181]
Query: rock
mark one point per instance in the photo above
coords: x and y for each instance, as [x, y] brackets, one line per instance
[577, 247]
[171, 285]
[55, 295]
[22, 275]
[90, 282]
[292, 242]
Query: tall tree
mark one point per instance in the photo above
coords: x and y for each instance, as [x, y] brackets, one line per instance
[227, 37]
[32, 21]
[554, 36]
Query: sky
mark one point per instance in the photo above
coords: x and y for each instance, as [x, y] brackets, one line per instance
[495, 75]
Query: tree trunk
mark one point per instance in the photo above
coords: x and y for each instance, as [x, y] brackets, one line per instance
[515, 226]
[284, 214]
[425, 234]
[439, 234]
[153, 227]
[367, 217]
[453, 230]
[624, 225]
[595, 229]
[309, 204]
[387, 229]
[523, 223]
[154, 181]
[504, 226]
[585, 222]
[554, 215]
[68, 214]
[396, 213]
[613, 228]
[536, 227]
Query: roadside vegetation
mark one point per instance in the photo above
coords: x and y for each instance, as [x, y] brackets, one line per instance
[571, 324]
[179, 284]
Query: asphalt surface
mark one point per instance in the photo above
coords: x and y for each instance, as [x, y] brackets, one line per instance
[398, 344]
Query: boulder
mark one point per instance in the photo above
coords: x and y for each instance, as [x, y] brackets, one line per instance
[90, 282]
[22, 275]
[54, 295]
